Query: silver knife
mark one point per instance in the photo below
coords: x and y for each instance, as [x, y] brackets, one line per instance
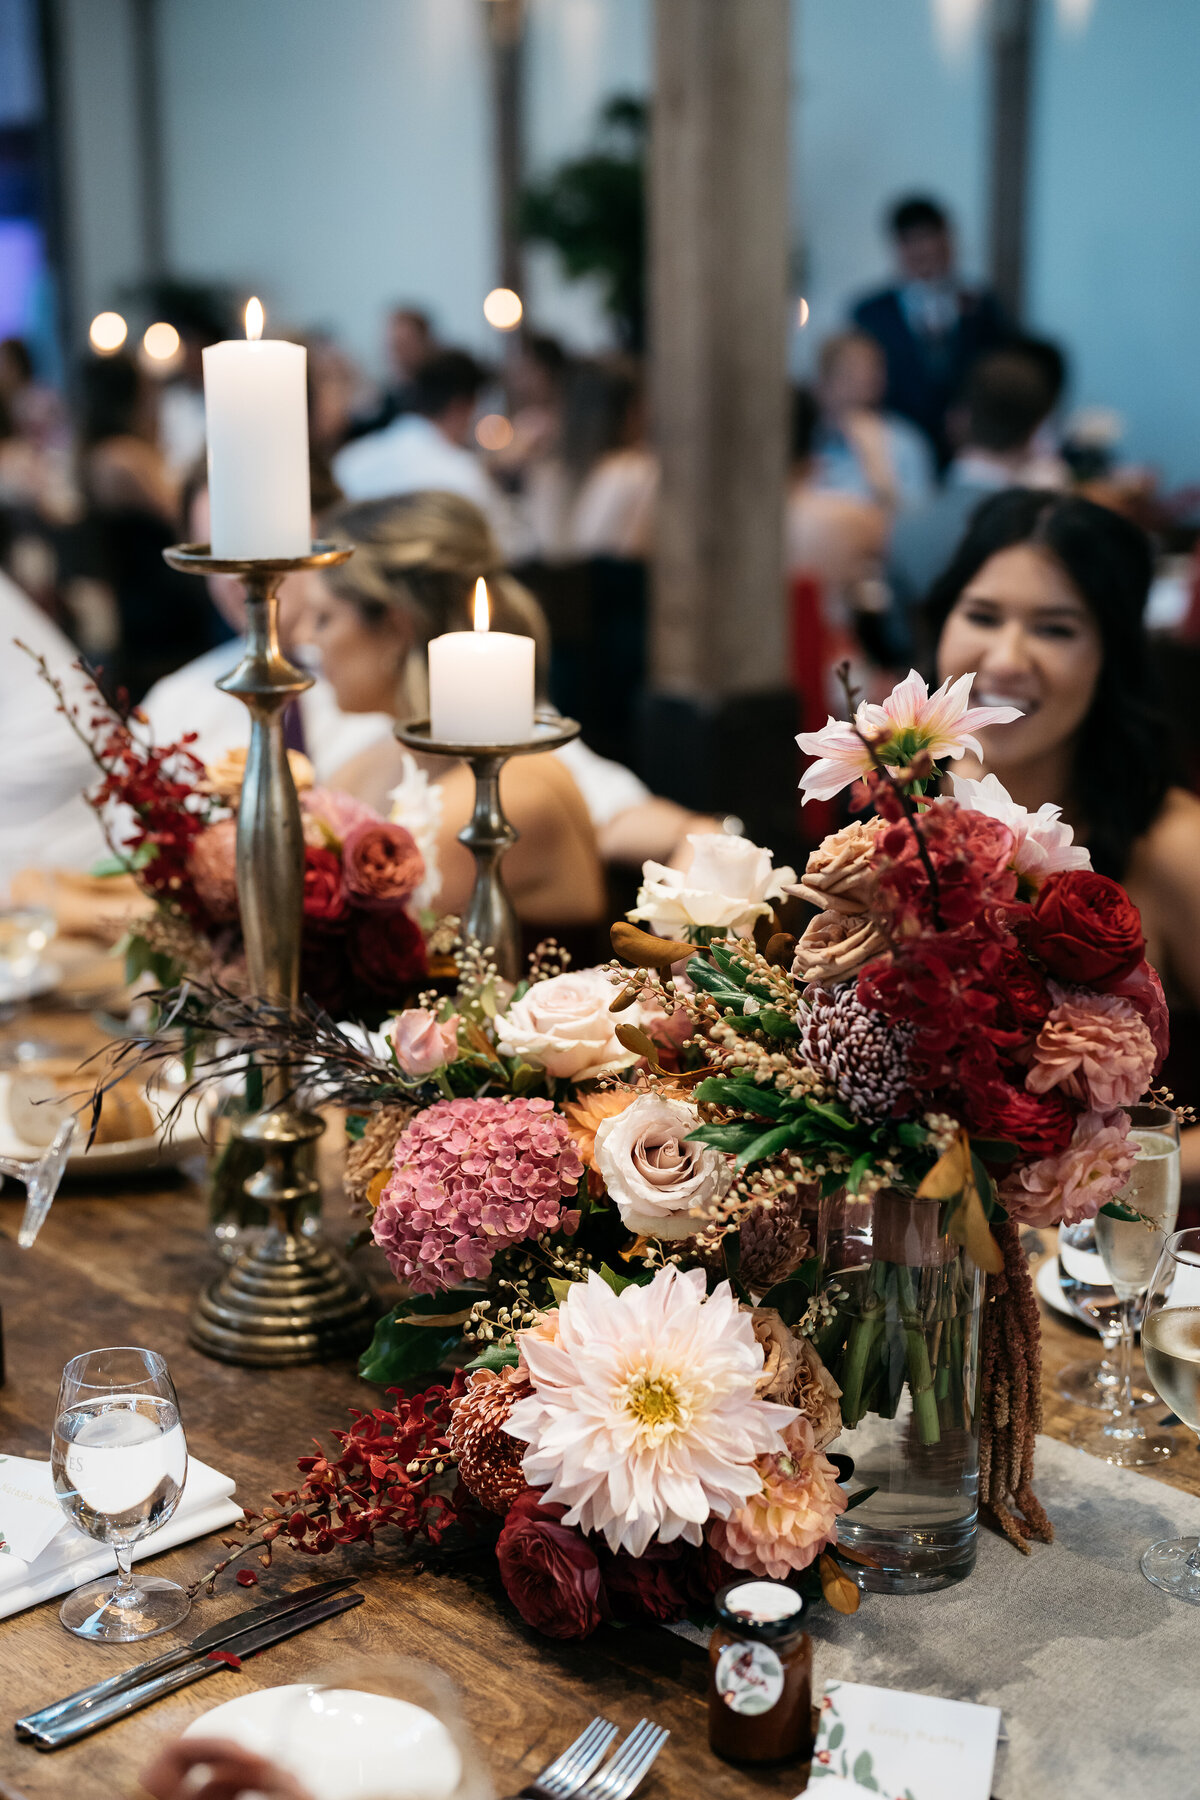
[217, 1637]
[119, 1706]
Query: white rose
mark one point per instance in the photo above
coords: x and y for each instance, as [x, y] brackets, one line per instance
[1043, 844]
[565, 1025]
[662, 1186]
[728, 883]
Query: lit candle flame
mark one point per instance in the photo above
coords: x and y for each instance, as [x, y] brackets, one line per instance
[254, 319]
[482, 607]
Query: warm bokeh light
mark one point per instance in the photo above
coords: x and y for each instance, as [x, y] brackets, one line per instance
[255, 319]
[482, 607]
[161, 341]
[801, 313]
[494, 432]
[107, 332]
[503, 309]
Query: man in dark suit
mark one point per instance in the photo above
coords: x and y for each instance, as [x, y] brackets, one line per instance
[930, 327]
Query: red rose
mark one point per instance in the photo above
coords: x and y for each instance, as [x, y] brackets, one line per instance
[1086, 929]
[1039, 1124]
[647, 1587]
[549, 1571]
[387, 954]
[1144, 990]
[324, 894]
[1023, 1001]
[382, 864]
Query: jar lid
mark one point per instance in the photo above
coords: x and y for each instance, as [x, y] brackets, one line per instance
[763, 1610]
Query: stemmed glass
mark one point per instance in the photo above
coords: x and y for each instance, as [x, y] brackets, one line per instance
[1087, 1290]
[1130, 1249]
[42, 1177]
[1171, 1346]
[119, 1459]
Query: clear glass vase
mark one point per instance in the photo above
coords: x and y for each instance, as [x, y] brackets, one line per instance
[904, 1347]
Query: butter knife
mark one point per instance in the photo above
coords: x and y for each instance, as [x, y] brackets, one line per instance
[217, 1637]
[118, 1706]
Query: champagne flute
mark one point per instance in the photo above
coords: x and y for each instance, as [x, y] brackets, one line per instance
[1130, 1250]
[1087, 1290]
[1171, 1346]
[119, 1459]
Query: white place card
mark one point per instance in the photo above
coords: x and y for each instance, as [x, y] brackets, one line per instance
[30, 1515]
[902, 1746]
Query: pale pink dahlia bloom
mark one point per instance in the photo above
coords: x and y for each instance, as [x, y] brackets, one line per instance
[791, 1518]
[644, 1420]
[472, 1177]
[1063, 1189]
[910, 720]
[1044, 846]
[1095, 1047]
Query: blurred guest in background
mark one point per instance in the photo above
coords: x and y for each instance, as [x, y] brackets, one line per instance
[611, 470]
[122, 466]
[859, 448]
[427, 447]
[1007, 398]
[930, 325]
[410, 342]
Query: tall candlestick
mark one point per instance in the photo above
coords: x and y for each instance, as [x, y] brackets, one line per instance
[481, 683]
[256, 417]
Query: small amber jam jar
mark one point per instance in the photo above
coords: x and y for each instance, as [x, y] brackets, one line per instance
[760, 1675]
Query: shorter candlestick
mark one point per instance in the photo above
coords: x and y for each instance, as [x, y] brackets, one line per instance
[490, 917]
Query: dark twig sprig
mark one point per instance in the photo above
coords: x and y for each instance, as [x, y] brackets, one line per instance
[903, 798]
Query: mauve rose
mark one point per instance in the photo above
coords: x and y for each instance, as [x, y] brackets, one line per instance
[550, 1573]
[1086, 929]
[661, 1185]
[382, 865]
[324, 894]
[422, 1043]
[387, 954]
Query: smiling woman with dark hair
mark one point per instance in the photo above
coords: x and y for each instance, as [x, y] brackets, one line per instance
[1044, 601]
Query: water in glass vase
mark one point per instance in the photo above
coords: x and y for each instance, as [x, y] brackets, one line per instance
[1130, 1248]
[118, 1465]
[1171, 1347]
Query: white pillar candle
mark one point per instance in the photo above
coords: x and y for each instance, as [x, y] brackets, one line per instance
[256, 420]
[481, 683]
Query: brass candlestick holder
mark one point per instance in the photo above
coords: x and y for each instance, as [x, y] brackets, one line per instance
[288, 1300]
[490, 916]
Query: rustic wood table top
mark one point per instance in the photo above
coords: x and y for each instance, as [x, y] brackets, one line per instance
[124, 1265]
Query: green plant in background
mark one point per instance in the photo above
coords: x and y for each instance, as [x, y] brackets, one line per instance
[592, 210]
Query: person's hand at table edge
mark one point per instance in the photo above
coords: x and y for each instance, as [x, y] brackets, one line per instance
[228, 1772]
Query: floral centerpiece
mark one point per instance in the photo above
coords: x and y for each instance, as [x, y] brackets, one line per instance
[684, 1226]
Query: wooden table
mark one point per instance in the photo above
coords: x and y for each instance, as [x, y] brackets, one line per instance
[126, 1268]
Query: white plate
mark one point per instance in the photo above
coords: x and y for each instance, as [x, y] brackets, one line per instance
[131, 1156]
[344, 1745]
[42, 979]
[1048, 1288]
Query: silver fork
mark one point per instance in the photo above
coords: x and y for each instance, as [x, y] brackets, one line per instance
[617, 1780]
[568, 1772]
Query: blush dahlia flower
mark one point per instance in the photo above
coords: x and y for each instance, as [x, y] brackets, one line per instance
[1063, 1189]
[1094, 1047]
[472, 1177]
[644, 1420]
[791, 1518]
[910, 720]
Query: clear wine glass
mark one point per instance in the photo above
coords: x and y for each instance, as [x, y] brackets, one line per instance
[1087, 1290]
[42, 1177]
[119, 1459]
[1130, 1250]
[1171, 1347]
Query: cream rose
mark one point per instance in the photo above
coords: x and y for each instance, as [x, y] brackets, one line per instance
[661, 1186]
[728, 883]
[565, 1025]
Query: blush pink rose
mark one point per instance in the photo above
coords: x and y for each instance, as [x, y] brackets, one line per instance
[423, 1043]
[1095, 1047]
[1062, 1190]
[381, 865]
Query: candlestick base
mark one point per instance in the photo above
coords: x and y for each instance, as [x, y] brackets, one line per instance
[490, 917]
[288, 1301]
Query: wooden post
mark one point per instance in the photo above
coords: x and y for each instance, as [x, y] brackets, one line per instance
[719, 225]
[1013, 26]
[506, 29]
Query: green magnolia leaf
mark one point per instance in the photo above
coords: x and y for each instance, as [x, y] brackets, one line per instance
[827, 1110]
[858, 1168]
[777, 1024]
[766, 1103]
[496, 1356]
[769, 1144]
[734, 1135]
[399, 1354]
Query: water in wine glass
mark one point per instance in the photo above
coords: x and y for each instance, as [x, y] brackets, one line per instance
[118, 1464]
[1130, 1248]
[1171, 1347]
[1084, 1280]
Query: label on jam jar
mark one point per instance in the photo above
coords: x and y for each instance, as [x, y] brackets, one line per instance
[749, 1677]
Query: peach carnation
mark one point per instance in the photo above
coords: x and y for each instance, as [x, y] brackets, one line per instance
[1095, 1047]
[1063, 1189]
[792, 1518]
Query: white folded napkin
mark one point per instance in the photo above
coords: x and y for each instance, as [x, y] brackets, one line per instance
[69, 1559]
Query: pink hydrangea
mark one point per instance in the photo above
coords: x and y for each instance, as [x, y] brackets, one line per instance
[471, 1178]
[793, 1516]
[1095, 1047]
[1063, 1189]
